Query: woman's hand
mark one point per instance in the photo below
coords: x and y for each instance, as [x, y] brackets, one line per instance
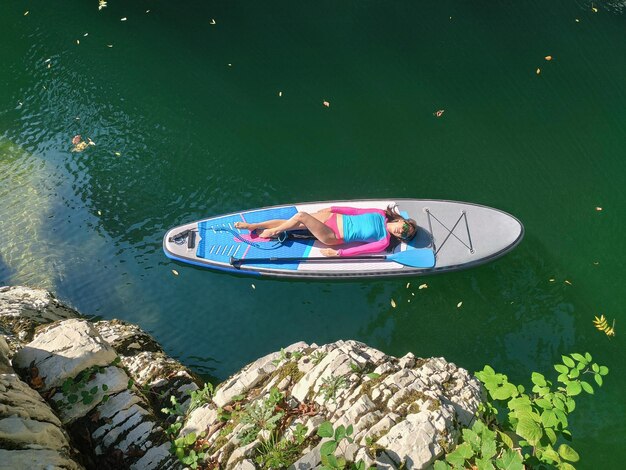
[329, 252]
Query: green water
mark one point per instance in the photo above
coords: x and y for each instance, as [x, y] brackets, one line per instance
[196, 114]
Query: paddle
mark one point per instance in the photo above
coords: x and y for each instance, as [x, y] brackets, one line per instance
[418, 258]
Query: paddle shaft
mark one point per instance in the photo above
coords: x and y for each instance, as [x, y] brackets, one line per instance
[237, 262]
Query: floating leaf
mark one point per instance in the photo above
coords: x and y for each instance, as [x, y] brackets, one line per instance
[117, 154]
[594, 9]
[567, 282]
[174, 272]
[393, 303]
[423, 286]
[326, 103]
[26, 12]
[408, 284]
[109, 45]
[538, 71]
[598, 208]
[99, 213]
[602, 325]
[253, 286]
[77, 41]
[548, 58]
[280, 93]
[439, 112]
[459, 305]
[123, 19]
[101, 4]
[212, 21]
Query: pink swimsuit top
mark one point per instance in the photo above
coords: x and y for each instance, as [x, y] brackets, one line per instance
[371, 247]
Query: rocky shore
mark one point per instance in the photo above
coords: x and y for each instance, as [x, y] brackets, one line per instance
[80, 394]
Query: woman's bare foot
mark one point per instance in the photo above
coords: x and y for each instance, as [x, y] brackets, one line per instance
[268, 233]
[243, 225]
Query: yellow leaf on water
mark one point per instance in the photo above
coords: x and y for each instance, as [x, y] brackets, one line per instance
[280, 93]
[409, 301]
[174, 272]
[109, 45]
[423, 286]
[594, 9]
[552, 280]
[123, 19]
[538, 71]
[408, 284]
[567, 282]
[393, 303]
[598, 208]
[85, 35]
[212, 21]
[77, 41]
[99, 213]
[326, 103]
[253, 286]
[459, 305]
[548, 58]
[26, 12]
[117, 154]
[413, 294]
[577, 20]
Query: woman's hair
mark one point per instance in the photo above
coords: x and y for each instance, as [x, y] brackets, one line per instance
[393, 215]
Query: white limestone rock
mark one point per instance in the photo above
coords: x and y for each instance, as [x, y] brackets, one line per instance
[40, 459]
[31, 434]
[63, 350]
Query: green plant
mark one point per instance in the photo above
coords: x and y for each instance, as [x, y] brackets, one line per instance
[260, 414]
[328, 449]
[189, 449]
[284, 356]
[200, 397]
[74, 390]
[275, 453]
[318, 356]
[539, 419]
[331, 385]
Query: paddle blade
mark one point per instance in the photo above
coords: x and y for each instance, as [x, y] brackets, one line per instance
[418, 258]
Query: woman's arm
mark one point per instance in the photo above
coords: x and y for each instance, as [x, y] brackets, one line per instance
[354, 211]
[373, 247]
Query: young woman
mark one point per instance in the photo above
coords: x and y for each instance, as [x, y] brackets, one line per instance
[337, 225]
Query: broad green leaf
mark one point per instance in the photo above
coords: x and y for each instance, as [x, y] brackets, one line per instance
[573, 389]
[190, 438]
[505, 392]
[586, 387]
[571, 404]
[472, 439]
[551, 435]
[349, 430]
[551, 454]
[568, 453]
[538, 379]
[484, 464]
[529, 430]
[562, 417]
[560, 368]
[340, 432]
[579, 357]
[562, 378]
[460, 454]
[441, 465]
[566, 466]
[568, 361]
[549, 419]
[510, 460]
[588, 357]
[488, 448]
[328, 448]
[574, 373]
[598, 379]
[325, 429]
[595, 367]
[604, 370]
[506, 439]
[544, 403]
[373, 375]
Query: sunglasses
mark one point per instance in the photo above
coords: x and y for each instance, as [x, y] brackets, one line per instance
[405, 231]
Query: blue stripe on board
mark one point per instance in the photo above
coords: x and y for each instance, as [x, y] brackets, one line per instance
[220, 245]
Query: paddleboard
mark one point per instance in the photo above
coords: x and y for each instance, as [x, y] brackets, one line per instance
[452, 236]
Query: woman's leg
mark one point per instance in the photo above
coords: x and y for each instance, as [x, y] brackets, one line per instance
[312, 223]
[265, 224]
